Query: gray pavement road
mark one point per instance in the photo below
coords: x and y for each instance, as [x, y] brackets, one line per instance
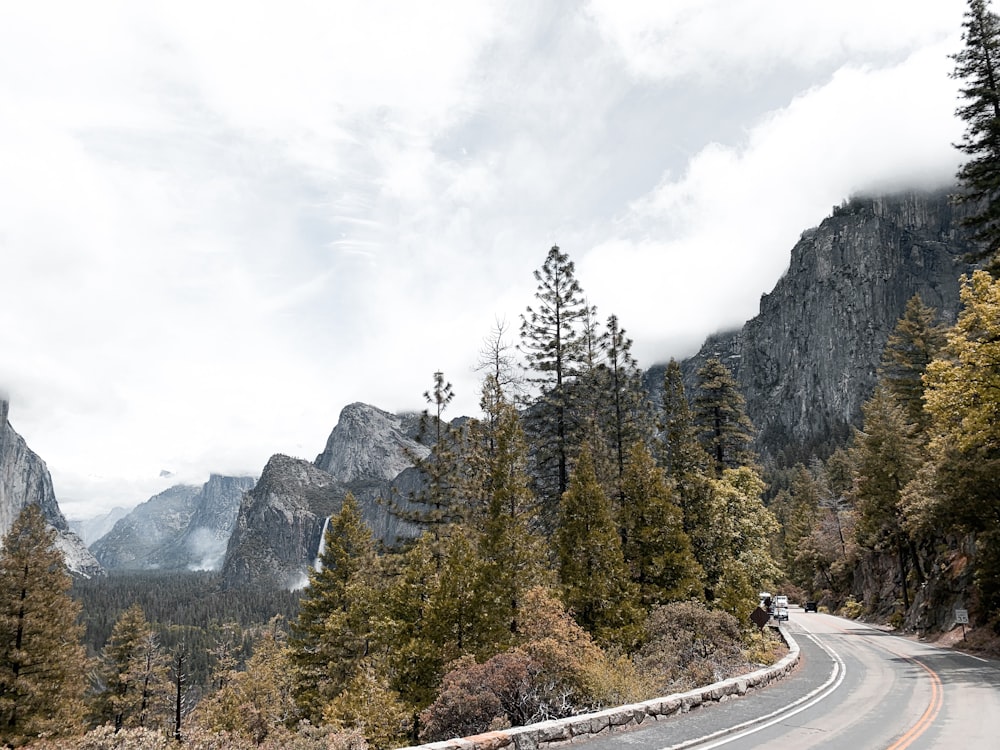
[856, 688]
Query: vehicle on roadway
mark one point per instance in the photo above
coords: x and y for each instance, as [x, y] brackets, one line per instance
[780, 609]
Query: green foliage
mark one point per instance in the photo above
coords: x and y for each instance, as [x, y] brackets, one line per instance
[183, 606]
[722, 426]
[976, 68]
[553, 347]
[331, 635]
[132, 675]
[657, 551]
[742, 532]
[369, 705]
[258, 702]
[512, 550]
[911, 347]
[595, 582]
[42, 662]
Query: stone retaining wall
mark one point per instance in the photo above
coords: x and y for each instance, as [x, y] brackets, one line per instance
[620, 718]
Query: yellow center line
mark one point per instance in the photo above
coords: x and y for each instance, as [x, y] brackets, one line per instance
[933, 708]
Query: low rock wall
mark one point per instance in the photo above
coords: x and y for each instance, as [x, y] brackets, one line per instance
[620, 718]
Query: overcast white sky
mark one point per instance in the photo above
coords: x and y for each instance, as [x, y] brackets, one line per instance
[222, 222]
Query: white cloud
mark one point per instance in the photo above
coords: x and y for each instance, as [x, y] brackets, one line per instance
[224, 222]
[703, 247]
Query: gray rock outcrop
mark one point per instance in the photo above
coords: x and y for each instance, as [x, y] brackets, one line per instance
[807, 362]
[25, 480]
[370, 453]
[371, 444]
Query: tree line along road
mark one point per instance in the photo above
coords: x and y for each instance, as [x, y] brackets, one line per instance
[855, 687]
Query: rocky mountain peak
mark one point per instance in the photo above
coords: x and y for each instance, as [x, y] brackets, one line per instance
[370, 444]
[25, 480]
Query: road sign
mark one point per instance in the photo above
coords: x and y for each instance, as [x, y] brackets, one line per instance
[760, 617]
[961, 617]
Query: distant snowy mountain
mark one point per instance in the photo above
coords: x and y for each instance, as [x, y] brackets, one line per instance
[182, 528]
[92, 529]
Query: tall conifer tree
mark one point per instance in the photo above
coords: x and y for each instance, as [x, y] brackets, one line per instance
[133, 670]
[657, 551]
[977, 66]
[595, 581]
[886, 456]
[912, 346]
[723, 427]
[42, 663]
[334, 627]
[552, 345]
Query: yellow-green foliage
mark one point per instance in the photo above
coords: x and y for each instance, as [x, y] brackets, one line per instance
[852, 608]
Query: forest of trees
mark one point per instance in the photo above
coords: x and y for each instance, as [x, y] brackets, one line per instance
[581, 545]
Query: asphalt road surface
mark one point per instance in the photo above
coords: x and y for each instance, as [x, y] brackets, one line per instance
[855, 688]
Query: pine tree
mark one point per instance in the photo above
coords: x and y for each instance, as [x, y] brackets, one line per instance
[592, 572]
[686, 464]
[510, 544]
[629, 413]
[886, 456]
[913, 345]
[258, 702]
[442, 497]
[963, 399]
[656, 549]
[957, 490]
[332, 633]
[42, 669]
[133, 674]
[978, 67]
[552, 345]
[723, 428]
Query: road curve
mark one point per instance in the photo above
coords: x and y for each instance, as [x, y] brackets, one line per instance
[856, 687]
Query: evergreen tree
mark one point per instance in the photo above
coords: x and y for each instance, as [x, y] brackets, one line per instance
[592, 572]
[978, 67]
[442, 499]
[916, 341]
[797, 511]
[256, 703]
[742, 534]
[510, 545]
[552, 344]
[332, 633]
[723, 428]
[133, 674]
[42, 664]
[963, 399]
[629, 414]
[886, 457]
[656, 549]
[686, 463]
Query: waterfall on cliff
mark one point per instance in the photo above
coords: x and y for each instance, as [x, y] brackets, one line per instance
[318, 565]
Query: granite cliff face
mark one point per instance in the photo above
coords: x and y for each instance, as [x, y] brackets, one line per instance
[371, 444]
[369, 453]
[25, 480]
[183, 528]
[808, 360]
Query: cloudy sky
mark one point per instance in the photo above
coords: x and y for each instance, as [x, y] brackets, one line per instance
[222, 222]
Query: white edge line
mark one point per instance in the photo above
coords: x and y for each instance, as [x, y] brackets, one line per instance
[837, 675]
